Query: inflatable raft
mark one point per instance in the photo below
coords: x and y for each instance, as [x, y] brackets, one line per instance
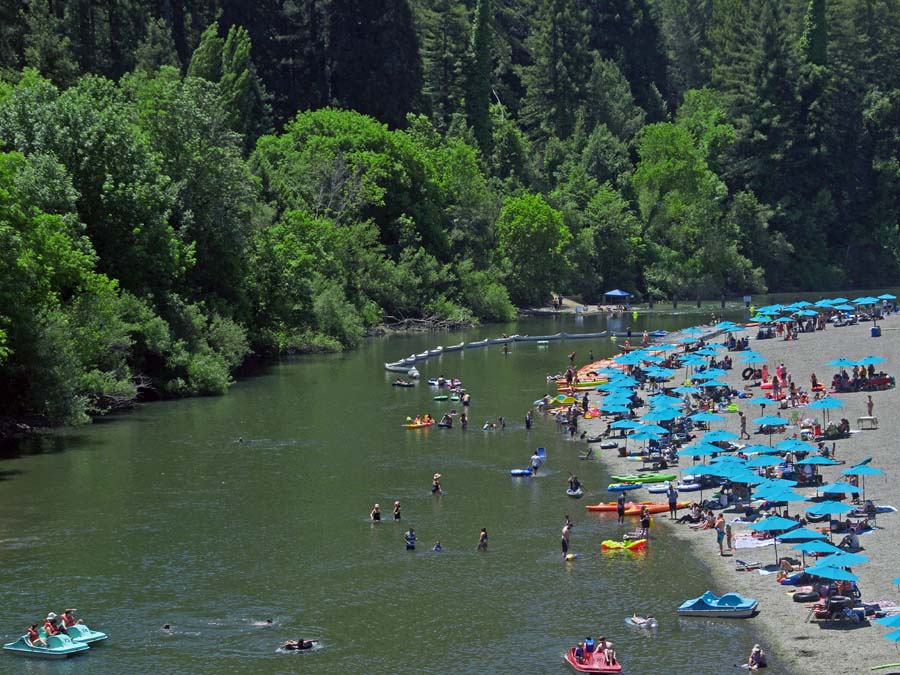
[419, 425]
[628, 544]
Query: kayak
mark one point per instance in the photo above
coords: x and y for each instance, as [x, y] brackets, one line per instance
[628, 544]
[441, 398]
[404, 384]
[645, 478]
[622, 487]
[520, 472]
[444, 425]
[634, 508]
[594, 662]
[420, 425]
[58, 647]
[575, 494]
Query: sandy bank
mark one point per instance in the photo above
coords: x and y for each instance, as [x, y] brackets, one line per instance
[794, 645]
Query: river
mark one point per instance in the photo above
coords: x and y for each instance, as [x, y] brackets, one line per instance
[214, 514]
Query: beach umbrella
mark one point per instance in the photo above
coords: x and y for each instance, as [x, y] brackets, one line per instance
[686, 340]
[713, 383]
[839, 488]
[661, 415]
[763, 460]
[707, 417]
[818, 460]
[784, 319]
[841, 363]
[625, 424]
[816, 545]
[692, 331]
[771, 422]
[803, 533]
[698, 450]
[891, 621]
[870, 361]
[710, 373]
[844, 307]
[839, 300]
[833, 573]
[719, 435]
[826, 403]
[887, 296]
[773, 524]
[758, 449]
[895, 636]
[653, 429]
[865, 300]
[786, 495]
[795, 445]
[735, 329]
[862, 470]
[828, 508]
[645, 435]
[686, 390]
[761, 318]
[706, 351]
[614, 408]
[770, 309]
[843, 559]
[761, 401]
[808, 312]
[754, 358]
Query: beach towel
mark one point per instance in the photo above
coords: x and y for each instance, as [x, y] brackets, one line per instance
[752, 542]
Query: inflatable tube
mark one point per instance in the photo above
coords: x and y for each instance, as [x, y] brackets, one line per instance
[805, 597]
[571, 556]
[520, 472]
[659, 489]
[630, 545]
[747, 373]
[688, 487]
[575, 494]
[622, 487]
[442, 397]
[609, 445]
[441, 425]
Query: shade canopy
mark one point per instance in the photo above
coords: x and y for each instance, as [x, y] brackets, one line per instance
[840, 488]
[719, 435]
[843, 559]
[771, 421]
[833, 573]
[617, 293]
[803, 533]
[828, 508]
[817, 545]
[773, 523]
[863, 470]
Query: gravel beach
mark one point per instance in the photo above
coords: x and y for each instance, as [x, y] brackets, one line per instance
[794, 645]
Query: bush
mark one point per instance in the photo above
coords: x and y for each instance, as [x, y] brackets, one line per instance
[208, 374]
[335, 316]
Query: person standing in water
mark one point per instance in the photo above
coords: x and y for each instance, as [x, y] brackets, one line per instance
[529, 419]
[620, 508]
[564, 541]
[436, 488]
[410, 537]
[482, 540]
[535, 463]
[375, 515]
[396, 510]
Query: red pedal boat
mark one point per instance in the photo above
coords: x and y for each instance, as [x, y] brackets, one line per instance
[593, 663]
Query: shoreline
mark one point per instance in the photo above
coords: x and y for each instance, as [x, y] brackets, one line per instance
[793, 645]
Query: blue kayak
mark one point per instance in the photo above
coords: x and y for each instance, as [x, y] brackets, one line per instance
[58, 647]
[622, 487]
[520, 472]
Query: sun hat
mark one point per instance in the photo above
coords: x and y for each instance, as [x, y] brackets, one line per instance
[51, 616]
[396, 503]
[378, 506]
[757, 648]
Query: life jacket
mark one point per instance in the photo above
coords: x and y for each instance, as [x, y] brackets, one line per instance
[32, 635]
[50, 629]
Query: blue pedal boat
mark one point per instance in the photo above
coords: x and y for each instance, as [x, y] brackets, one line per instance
[728, 606]
[58, 647]
[81, 634]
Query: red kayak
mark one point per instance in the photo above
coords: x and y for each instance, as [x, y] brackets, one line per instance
[634, 508]
[593, 663]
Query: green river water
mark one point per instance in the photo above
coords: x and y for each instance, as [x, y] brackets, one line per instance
[162, 516]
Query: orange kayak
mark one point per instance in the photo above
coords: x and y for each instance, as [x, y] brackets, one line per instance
[634, 508]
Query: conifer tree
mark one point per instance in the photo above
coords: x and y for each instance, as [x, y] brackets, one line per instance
[814, 41]
[478, 89]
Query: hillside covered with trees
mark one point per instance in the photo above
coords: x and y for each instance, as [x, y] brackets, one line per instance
[186, 182]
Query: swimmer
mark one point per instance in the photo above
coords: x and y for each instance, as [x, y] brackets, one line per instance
[375, 515]
[167, 627]
[296, 645]
[643, 622]
[437, 548]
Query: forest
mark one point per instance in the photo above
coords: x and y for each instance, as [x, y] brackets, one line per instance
[185, 184]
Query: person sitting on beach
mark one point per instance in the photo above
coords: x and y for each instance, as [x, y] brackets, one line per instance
[757, 659]
[850, 542]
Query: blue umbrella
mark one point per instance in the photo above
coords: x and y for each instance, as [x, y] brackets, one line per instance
[687, 340]
[819, 460]
[686, 390]
[754, 359]
[862, 470]
[839, 300]
[719, 435]
[844, 308]
[653, 429]
[757, 449]
[844, 559]
[763, 460]
[784, 319]
[841, 363]
[770, 421]
[887, 296]
[785, 494]
[713, 383]
[773, 486]
[870, 361]
[891, 621]
[839, 488]
[834, 573]
[707, 417]
[644, 435]
[826, 403]
[692, 331]
[614, 408]
[698, 450]
[808, 312]
[802, 533]
[625, 424]
[895, 636]
[794, 445]
[761, 401]
[816, 545]
[661, 415]
[772, 524]
[735, 329]
[828, 508]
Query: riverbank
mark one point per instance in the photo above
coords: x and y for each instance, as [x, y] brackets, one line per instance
[794, 645]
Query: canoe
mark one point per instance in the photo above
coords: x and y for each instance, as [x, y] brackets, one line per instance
[442, 397]
[634, 508]
[403, 384]
[622, 487]
[584, 336]
[575, 494]
[455, 348]
[480, 343]
[437, 351]
[58, 647]
[730, 605]
[594, 662]
[398, 366]
[420, 425]
[537, 338]
[501, 341]
[520, 472]
[645, 478]
[81, 634]
[627, 545]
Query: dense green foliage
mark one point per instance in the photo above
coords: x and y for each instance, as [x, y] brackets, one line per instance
[186, 182]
